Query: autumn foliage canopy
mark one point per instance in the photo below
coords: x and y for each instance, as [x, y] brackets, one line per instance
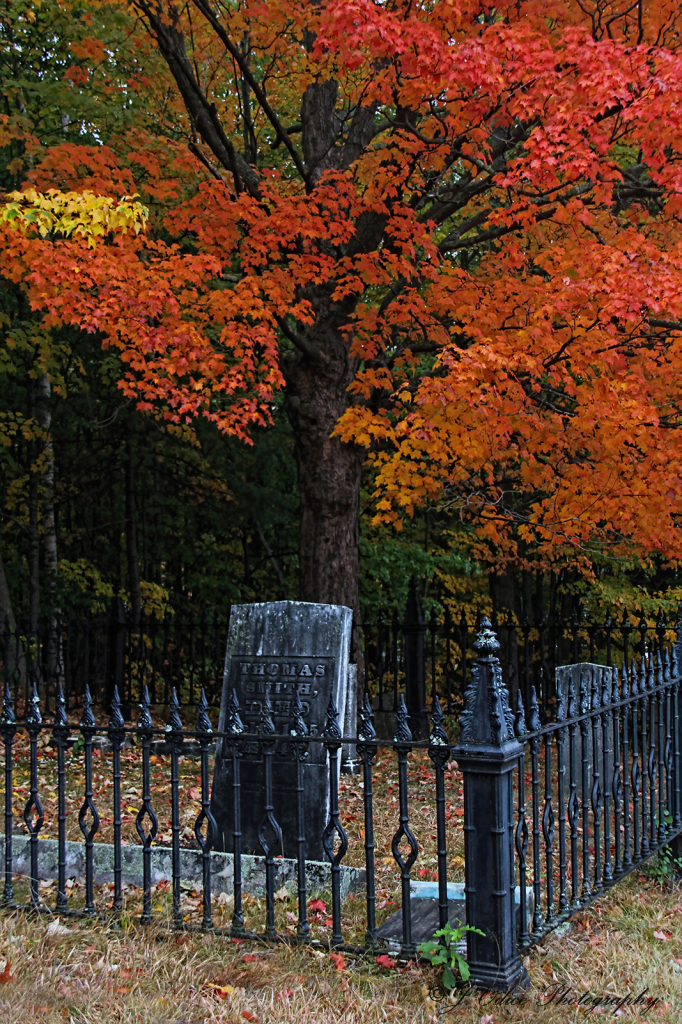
[494, 237]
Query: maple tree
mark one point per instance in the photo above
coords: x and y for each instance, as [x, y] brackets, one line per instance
[448, 232]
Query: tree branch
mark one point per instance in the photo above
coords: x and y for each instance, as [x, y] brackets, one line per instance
[301, 343]
[238, 56]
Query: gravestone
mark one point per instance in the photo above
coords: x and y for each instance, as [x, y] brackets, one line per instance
[589, 672]
[279, 648]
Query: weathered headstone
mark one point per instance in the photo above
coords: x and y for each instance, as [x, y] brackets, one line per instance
[593, 676]
[279, 648]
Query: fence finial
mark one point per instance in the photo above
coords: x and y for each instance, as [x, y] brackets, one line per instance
[234, 724]
[615, 685]
[534, 720]
[438, 736]
[61, 722]
[402, 729]
[487, 717]
[331, 729]
[174, 723]
[634, 680]
[625, 683]
[144, 722]
[203, 721]
[116, 722]
[7, 717]
[87, 718]
[299, 728]
[33, 716]
[366, 731]
[266, 726]
[596, 701]
[584, 699]
[650, 672]
[666, 665]
[560, 709]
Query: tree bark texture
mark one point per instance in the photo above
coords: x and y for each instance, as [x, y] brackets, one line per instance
[329, 475]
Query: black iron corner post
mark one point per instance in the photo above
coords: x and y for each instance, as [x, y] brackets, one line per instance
[487, 754]
[414, 630]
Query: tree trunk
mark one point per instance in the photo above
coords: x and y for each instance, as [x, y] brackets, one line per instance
[131, 534]
[329, 475]
[11, 649]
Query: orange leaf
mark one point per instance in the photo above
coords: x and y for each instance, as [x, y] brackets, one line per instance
[250, 1016]
[339, 961]
[6, 975]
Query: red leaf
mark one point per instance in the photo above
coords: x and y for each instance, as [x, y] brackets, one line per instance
[250, 958]
[6, 974]
[318, 905]
[250, 1016]
[385, 961]
[339, 961]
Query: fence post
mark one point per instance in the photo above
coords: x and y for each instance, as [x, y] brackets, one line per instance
[116, 654]
[414, 630]
[487, 754]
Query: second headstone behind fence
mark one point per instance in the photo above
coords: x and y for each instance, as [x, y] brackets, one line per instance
[278, 648]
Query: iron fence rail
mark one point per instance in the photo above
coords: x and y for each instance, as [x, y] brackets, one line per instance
[566, 807]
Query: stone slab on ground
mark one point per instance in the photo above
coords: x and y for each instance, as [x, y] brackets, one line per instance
[425, 918]
[318, 874]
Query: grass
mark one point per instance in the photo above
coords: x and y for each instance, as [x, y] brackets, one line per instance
[115, 972]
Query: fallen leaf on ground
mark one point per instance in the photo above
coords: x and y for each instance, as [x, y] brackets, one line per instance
[56, 928]
[221, 991]
[385, 961]
[5, 974]
[339, 961]
[250, 1016]
[318, 905]
[663, 936]
[249, 958]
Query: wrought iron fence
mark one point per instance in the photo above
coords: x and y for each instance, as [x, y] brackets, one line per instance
[182, 650]
[417, 655]
[560, 811]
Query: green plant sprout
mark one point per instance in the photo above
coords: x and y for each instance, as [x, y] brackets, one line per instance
[444, 952]
[666, 867]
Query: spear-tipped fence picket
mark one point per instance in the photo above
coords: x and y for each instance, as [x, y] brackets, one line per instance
[560, 809]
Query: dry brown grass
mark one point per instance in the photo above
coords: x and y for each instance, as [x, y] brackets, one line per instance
[101, 973]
